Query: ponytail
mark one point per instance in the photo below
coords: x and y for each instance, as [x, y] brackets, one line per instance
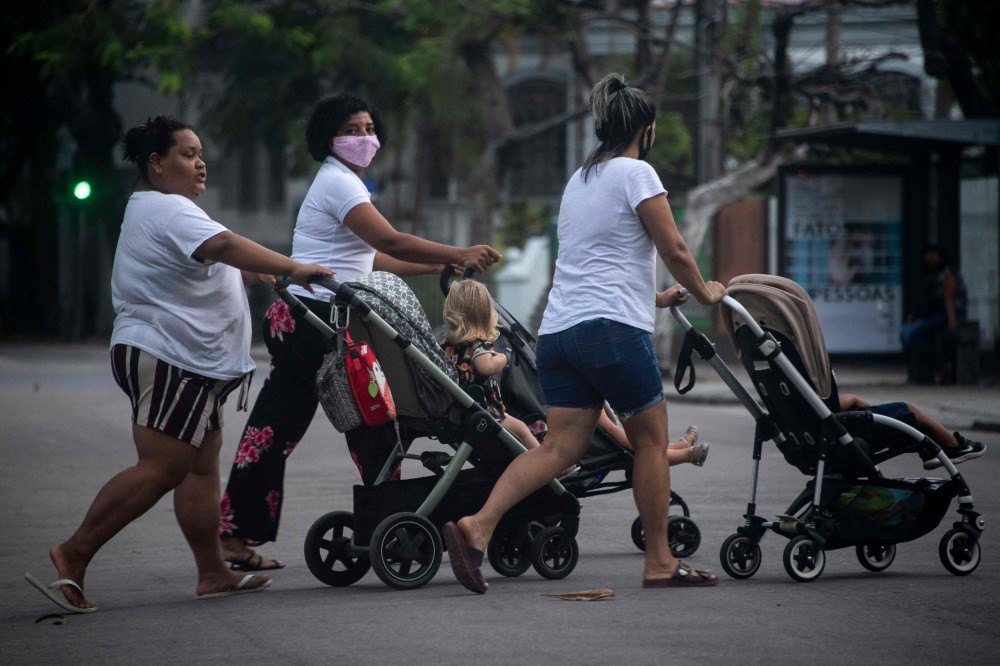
[619, 112]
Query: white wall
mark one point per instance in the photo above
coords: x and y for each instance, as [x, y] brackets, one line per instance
[524, 278]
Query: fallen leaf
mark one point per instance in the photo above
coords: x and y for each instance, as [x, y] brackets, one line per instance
[58, 617]
[584, 595]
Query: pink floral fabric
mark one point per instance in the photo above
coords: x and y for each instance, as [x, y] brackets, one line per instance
[226, 524]
[255, 442]
[273, 502]
[280, 317]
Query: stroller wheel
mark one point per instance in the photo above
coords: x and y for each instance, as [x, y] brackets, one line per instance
[740, 556]
[329, 553]
[683, 536]
[554, 554]
[876, 557]
[638, 534]
[803, 559]
[405, 551]
[959, 553]
[509, 552]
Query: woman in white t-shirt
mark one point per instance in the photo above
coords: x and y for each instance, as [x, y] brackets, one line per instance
[181, 344]
[337, 226]
[594, 342]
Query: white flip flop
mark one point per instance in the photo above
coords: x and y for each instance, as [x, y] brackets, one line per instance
[51, 591]
[241, 588]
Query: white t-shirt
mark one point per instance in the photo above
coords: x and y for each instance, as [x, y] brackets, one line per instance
[191, 314]
[320, 235]
[607, 261]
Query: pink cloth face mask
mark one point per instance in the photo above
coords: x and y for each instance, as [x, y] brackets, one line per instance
[355, 150]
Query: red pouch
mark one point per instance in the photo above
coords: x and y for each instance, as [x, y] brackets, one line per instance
[371, 391]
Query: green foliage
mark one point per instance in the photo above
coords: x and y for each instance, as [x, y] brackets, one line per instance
[521, 220]
[671, 151]
[125, 38]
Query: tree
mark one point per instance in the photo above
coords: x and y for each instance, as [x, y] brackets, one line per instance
[957, 40]
[63, 60]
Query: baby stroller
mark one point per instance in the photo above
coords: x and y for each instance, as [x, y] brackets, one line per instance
[848, 502]
[395, 525]
[523, 398]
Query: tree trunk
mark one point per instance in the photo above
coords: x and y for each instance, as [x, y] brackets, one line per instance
[485, 180]
[945, 55]
[781, 102]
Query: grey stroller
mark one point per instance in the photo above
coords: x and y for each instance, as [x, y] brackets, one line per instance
[847, 502]
[395, 525]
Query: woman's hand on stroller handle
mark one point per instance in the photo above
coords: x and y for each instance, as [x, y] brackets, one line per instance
[308, 275]
[304, 274]
[479, 257]
[675, 295]
[714, 293]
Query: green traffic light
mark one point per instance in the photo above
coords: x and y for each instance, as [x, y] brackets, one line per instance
[81, 190]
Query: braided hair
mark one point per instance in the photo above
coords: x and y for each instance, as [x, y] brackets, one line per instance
[619, 112]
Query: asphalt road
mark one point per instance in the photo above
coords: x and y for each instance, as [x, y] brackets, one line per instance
[64, 431]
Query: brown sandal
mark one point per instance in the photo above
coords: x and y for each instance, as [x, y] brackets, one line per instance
[466, 561]
[685, 576]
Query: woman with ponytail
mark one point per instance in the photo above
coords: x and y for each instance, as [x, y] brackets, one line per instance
[180, 346]
[594, 343]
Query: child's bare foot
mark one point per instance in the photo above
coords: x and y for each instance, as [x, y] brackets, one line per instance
[70, 568]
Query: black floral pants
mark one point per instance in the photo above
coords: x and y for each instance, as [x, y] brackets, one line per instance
[251, 504]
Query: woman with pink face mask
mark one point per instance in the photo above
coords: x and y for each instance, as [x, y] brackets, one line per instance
[338, 223]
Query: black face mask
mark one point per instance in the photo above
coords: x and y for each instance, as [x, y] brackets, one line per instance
[645, 145]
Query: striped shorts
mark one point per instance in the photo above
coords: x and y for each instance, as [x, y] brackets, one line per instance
[179, 403]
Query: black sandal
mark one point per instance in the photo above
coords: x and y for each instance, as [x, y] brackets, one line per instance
[252, 562]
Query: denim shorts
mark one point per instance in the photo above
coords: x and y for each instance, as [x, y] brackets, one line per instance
[599, 360]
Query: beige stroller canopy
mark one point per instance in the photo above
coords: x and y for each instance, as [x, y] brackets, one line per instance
[782, 305]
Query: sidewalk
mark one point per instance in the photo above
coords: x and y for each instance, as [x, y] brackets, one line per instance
[967, 407]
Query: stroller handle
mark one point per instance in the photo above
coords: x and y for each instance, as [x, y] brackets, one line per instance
[341, 292]
[447, 274]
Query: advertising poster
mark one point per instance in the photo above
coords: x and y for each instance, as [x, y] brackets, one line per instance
[842, 242]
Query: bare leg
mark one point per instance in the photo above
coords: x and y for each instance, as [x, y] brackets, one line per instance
[647, 431]
[162, 464]
[934, 430]
[678, 455]
[196, 505]
[570, 430]
[520, 429]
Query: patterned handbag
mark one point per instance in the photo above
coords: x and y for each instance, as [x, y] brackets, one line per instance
[334, 389]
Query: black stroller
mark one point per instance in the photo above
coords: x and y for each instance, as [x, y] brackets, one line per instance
[523, 399]
[847, 502]
[395, 525]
